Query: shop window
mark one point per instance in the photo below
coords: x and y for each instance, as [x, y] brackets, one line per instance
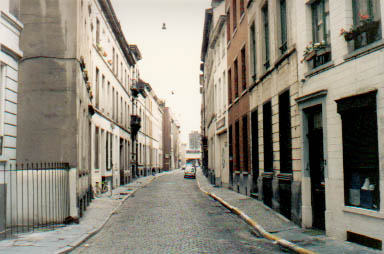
[366, 20]
[360, 155]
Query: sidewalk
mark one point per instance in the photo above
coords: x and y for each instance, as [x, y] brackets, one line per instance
[65, 238]
[279, 226]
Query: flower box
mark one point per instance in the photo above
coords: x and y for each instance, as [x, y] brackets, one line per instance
[310, 55]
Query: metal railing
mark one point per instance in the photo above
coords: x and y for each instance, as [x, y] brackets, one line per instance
[33, 196]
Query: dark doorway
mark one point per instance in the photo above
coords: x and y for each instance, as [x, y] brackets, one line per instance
[255, 150]
[316, 165]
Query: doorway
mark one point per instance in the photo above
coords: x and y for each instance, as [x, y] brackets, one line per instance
[316, 165]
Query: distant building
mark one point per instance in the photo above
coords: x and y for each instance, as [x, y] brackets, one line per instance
[194, 140]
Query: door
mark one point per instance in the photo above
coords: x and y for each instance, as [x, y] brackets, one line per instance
[316, 166]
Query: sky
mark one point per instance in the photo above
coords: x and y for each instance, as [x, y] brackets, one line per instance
[171, 57]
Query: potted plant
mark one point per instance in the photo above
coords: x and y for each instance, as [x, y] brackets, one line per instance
[105, 54]
[348, 35]
[110, 61]
[89, 85]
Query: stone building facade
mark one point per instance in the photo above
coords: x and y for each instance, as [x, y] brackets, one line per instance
[10, 55]
[274, 86]
[77, 101]
[215, 87]
[238, 96]
[342, 118]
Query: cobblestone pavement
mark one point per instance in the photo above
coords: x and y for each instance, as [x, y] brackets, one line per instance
[171, 215]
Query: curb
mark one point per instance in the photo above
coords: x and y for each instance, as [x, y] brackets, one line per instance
[282, 242]
[70, 247]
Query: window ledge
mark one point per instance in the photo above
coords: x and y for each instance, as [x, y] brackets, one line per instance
[319, 69]
[363, 211]
[364, 50]
[245, 173]
[242, 17]
[237, 172]
[234, 32]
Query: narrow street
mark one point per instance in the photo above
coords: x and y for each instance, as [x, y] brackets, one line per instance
[171, 215]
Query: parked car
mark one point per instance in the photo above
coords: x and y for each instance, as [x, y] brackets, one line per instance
[190, 172]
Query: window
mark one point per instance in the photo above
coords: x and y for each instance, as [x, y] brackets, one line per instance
[228, 27]
[103, 101]
[113, 60]
[241, 8]
[267, 137]
[360, 155]
[321, 32]
[236, 79]
[97, 89]
[108, 101]
[243, 69]
[234, 14]
[230, 148]
[113, 103]
[283, 26]
[97, 31]
[366, 20]
[97, 165]
[117, 65]
[285, 133]
[264, 11]
[229, 86]
[237, 145]
[253, 50]
[245, 142]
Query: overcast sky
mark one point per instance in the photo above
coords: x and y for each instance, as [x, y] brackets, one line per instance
[171, 57]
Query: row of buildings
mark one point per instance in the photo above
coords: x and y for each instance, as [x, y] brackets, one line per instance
[292, 109]
[71, 92]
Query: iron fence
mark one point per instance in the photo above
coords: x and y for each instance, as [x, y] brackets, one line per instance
[33, 196]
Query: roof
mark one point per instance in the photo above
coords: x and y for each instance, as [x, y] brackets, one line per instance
[110, 15]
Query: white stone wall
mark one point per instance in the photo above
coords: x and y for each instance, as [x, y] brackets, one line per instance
[10, 54]
[344, 79]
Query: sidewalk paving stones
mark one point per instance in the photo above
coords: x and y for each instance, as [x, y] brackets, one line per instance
[278, 225]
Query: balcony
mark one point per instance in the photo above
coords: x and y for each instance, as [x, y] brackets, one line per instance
[138, 87]
[135, 124]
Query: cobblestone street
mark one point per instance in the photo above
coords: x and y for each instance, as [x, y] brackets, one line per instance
[171, 215]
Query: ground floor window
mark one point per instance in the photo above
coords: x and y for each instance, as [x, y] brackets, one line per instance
[360, 150]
